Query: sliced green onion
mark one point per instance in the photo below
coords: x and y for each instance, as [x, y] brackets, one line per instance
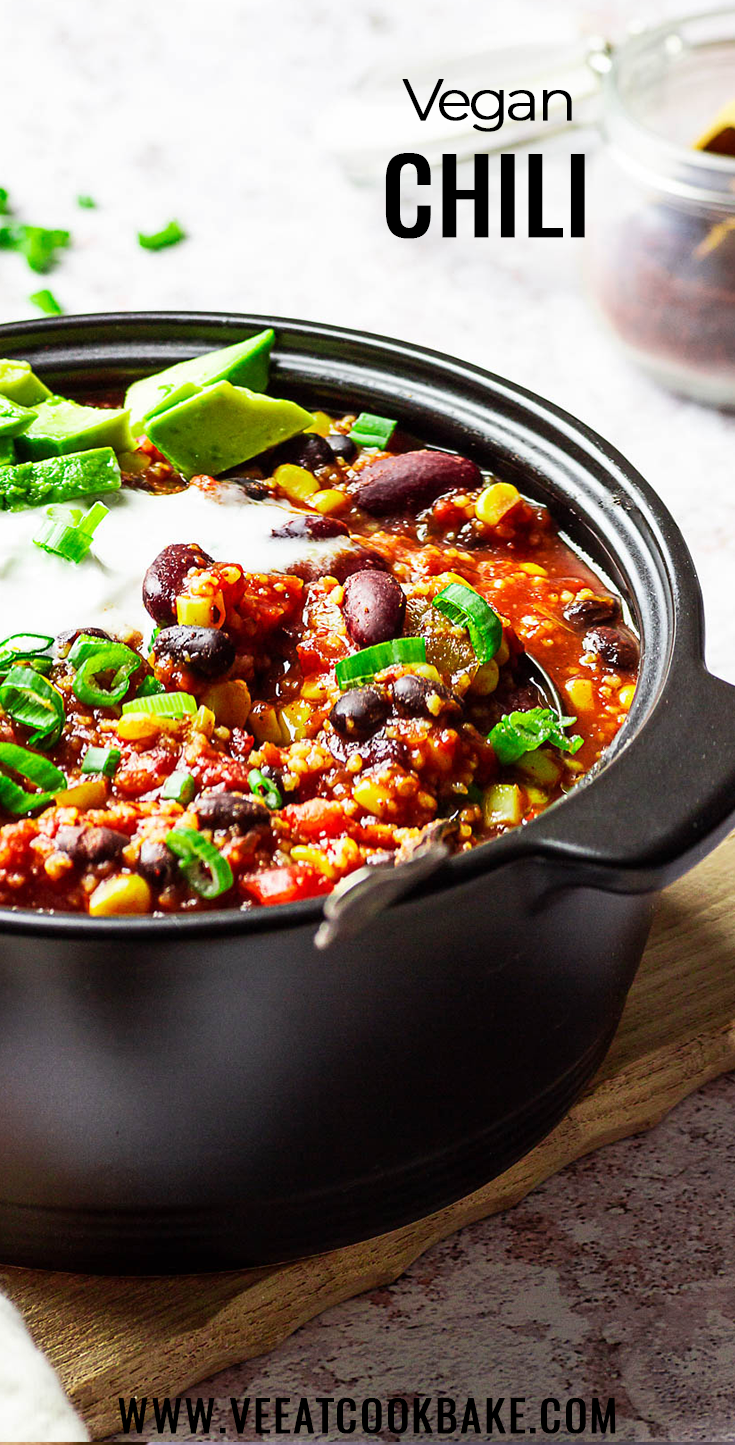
[464, 606]
[149, 687]
[180, 787]
[170, 235]
[523, 732]
[85, 645]
[32, 768]
[46, 302]
[372, 431]
[164, 704]
[362, 666]
[29, 699]
[101, 760]
[26, 647]
[87, 203]
[264, 788]
[67, 532]
[106, 657]
[205, 869]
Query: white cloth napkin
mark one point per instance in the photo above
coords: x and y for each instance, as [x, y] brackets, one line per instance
[33, 1405]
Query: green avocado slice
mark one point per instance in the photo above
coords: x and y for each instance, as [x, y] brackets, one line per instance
[244, 364]
[62, 426]
[222, 426]
[59, 479]
[18, 382]
[14, 418]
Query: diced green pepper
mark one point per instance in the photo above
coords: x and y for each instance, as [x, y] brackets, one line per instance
[222, 426]
[14, 418]
[18, 382]
[244, 364]
[62, 426]
[59, 479]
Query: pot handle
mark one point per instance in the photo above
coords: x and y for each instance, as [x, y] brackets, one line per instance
[664, 802]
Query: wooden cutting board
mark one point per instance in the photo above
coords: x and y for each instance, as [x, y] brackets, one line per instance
[109, 1337]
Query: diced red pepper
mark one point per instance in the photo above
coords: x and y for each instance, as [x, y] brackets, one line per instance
[316, 818]
[287, 885]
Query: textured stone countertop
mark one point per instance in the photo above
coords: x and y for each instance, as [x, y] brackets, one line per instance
[617, 1277]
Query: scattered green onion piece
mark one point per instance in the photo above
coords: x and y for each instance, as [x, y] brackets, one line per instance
[85, 645]
[372, 431]
[362, 666]
[67, 532]
[4, 202]
[164, 704]
[27, 647]
[32, 766]
[19, 802]
[153, 637]
[523, 732]
[204, 867]
[29, 699]
[180, 787]
[39, 245]
[464, 606]
[265, 789]
[101, 760]
[170, 235]
[107, 657]
[46, 302]
[149, 687]
[86, 203]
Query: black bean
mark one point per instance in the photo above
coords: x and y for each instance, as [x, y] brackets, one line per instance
[419, 697]
[617, 647]
[91, 845]
[230, 810]
[359, 713]
[65, 640]
[374, 607]
[342, 446]
[374, 750]
[303, 524]
[165, 576]
[158, 864]
[589, 611]
[307, 450]
[207, 651]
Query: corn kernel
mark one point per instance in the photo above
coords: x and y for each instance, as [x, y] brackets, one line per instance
[540, 767]
[486, 678]
[626, 695]
[503, 803]
[295, 717]
[296, 482]
[201, 611]
[265, 724]
[204, 721]
[303, 853]
[329, 501]
[580, 692]
[139, 727]
[125, 893]
[83, 795]
[493, 503]
[372, 797]
[533, 569]
[321, 423]
[444, 579]
[315, 689]
[230, 702]
[427, 670]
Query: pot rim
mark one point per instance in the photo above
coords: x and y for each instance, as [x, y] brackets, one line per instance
[631, 508]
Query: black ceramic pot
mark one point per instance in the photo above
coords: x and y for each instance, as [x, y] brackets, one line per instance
[211, 1092]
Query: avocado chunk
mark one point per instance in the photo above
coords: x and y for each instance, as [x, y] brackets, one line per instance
[222, 426]
[7, 451]
[62, 426]
[14, 418]
[59, 479]
[244, 364]
[19, 383]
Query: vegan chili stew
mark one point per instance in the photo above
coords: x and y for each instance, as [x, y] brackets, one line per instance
[252, 649]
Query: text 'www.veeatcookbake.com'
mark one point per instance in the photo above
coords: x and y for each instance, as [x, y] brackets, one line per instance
[432, 1415]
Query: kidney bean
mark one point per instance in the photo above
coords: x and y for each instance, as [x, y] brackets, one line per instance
[307, 450]
[374, 607]
[419, 697]
[411, 480]
[165, 576]
[158, 864]
[207, 651]
[65, 640]
[340, 561]
[303, 524]
[359, 713]
[91, 845]
[589, 611]
[342, 446]
[617, 647]
[230, 810]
